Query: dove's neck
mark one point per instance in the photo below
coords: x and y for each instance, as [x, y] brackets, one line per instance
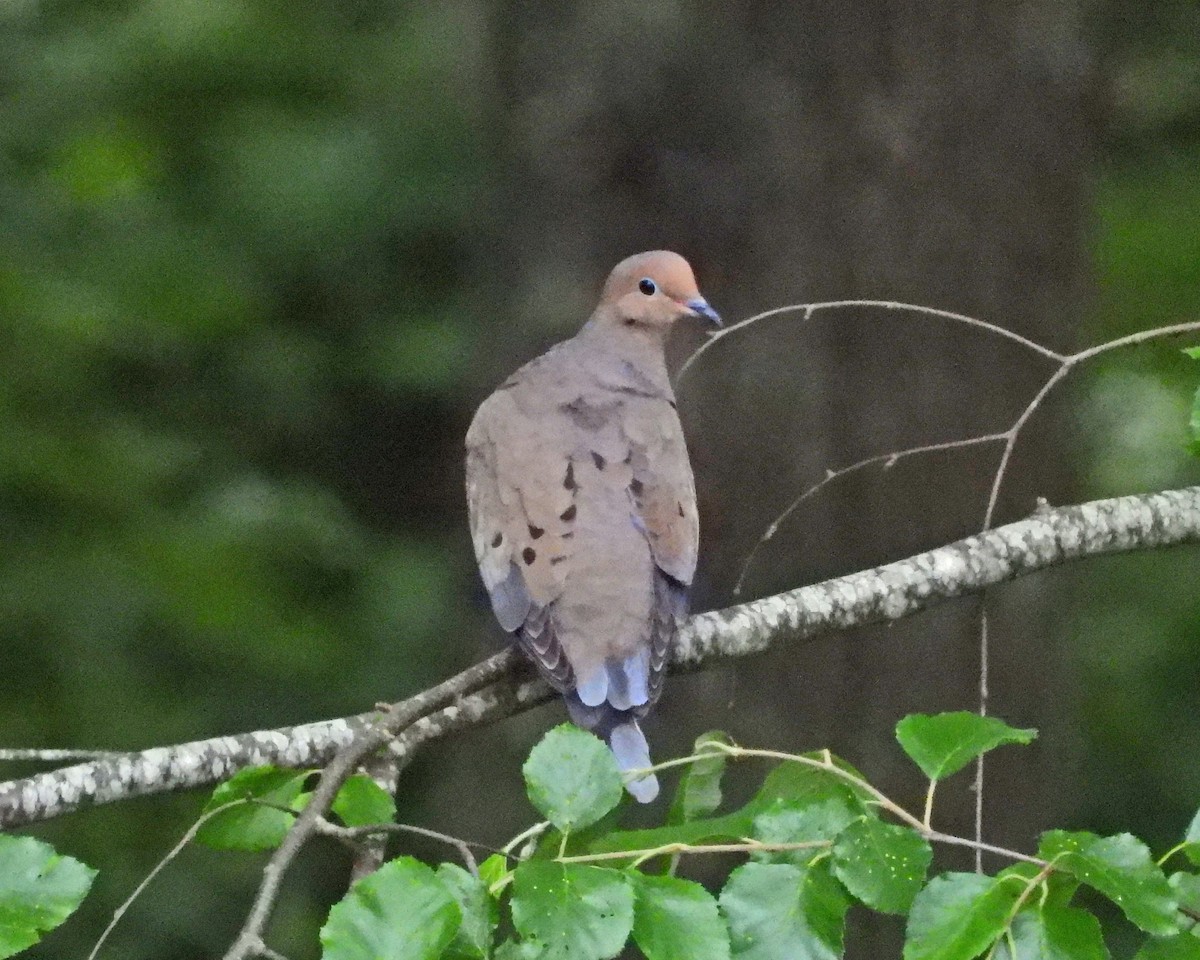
[636, 352]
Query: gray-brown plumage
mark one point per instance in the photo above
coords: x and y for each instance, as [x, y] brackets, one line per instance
[583, 508]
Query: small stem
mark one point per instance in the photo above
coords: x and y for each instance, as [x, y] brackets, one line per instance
[535, 831]
[828, 766]
[264, 951]
[54, 756]
[927, 819]
[1170, 853]
[938, 837]
[355, 833]
[686, 849]
[187, 838]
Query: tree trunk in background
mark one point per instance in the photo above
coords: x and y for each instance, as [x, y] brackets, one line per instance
[924, 152]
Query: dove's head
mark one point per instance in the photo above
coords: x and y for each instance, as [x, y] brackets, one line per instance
[650, 291]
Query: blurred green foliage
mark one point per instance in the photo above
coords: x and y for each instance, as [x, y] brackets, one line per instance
[233, 250]
[1137, 624]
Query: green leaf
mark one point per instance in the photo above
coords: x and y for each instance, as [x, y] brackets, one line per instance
[882, 864]
[778, 911]
[1053, 932]
[1181, 946]
[493, 869]
[515, 950]
[801, 783]
[1192, 837]
[958, 916]
[799, 822]
[400, 910]
[1058, 888]
[1186, 888]
[1119, 867]
[1194, 446]
[788, 787]
[699, 791]
[676, 919]
[478, 911]
[39, 889]
[731, 827]
[572, 778]
[573, 911]
[944, 743]
[361, 802]
[251, 826]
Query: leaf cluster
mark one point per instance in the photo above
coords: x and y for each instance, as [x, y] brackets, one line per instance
[817, 838]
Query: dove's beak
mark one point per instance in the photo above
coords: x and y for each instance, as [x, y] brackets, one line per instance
[700, 308]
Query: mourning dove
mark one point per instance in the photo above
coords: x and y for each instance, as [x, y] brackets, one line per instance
[583, 508]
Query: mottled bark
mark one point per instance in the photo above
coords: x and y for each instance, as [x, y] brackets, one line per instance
[889, 592]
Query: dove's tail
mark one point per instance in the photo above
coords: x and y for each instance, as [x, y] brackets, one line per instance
[625, 738]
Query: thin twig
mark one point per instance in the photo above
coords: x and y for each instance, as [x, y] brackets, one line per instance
[888, 460]
[54, 756]
[984, 693]
[927, 817]
[402, 717]
[531, 834]
[980, 845]
[826, 765]
[384, 770]
[375, 829]
[1068, 363]
[669, 849]
[808, 309]
[187, 838]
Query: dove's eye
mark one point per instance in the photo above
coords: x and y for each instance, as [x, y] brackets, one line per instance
[646, 285]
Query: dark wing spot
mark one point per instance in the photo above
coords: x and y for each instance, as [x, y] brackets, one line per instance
[568, 535]
[497, 539]
[555, 561]
[635, 486]
[567, 515]
[673, 405]
[528, 555]
[585, 415]
[680, 506]
[569, 479]
[535, 532]
[598, 460]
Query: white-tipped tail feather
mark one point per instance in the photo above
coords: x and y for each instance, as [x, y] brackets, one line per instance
[629, 746]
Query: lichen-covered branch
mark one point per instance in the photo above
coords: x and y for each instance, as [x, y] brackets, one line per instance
[1049, 537]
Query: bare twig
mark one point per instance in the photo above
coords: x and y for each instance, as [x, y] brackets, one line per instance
[249, 942]
[1066, 363]
[54, 756]
[671, 849]
[174, 852]
[376, 829]
[808, 309]
[984, 693]
[384, 769]
[889, 459]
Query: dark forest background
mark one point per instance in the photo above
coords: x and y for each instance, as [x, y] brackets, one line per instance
[259, 261]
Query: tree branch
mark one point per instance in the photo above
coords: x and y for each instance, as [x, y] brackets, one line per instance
[1049, 537]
